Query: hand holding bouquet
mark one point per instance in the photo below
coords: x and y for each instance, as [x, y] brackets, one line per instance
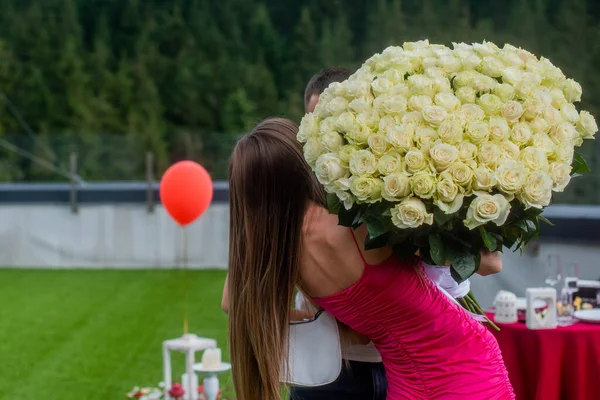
[447, 151]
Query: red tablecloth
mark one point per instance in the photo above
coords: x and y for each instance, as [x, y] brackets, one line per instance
[552, 364]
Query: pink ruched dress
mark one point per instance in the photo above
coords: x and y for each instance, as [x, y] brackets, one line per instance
[431, 348]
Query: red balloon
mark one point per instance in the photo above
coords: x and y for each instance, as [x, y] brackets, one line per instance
[186, 191]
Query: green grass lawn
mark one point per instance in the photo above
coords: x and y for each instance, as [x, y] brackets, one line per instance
[94, 334]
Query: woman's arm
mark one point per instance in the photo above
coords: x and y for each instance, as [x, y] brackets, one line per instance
[491, 263]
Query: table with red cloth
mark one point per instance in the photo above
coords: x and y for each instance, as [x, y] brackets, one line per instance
[552, 364]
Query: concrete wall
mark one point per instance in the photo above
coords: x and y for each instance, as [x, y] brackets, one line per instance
[125, 235]
[109, 236]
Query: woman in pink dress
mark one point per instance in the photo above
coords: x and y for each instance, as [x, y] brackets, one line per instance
[282, 237]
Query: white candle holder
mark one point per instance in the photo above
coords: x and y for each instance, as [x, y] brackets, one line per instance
[506, 308]
[548, 320]
[211, 382]
[188, 344]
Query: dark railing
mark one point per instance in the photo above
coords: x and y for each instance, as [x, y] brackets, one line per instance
[579, 223]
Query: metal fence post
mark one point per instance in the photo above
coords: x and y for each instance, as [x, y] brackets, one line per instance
[150, 182]
[73, 181]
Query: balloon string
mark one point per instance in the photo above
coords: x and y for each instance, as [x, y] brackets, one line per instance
[185, 280]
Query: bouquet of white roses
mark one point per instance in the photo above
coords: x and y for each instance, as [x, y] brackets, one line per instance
[447, 151]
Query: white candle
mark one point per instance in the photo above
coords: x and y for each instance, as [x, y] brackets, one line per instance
[211, 359]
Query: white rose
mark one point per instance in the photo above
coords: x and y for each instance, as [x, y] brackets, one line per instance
[505, 92]
[361, 104]
[360, 88]
[564, 133]
[491, 66]
[434, 72]
[534, 158]
[450, 131]
[345, 122]
[561, 175]
[368, 118]
[366, 189]
[423, 184]
[363, 163]
[466, 95]
[450, 64]
[491, 104]
[425, 137]
[389, 163]
[543, 94]
[394, 75]
[415, 161]
[467, 151]
[553, 116]
[530, 82]
[472, 112]
[434, 115]
[359, 135]
[387, 121]
[396, 187]
[487, 208]
[569, 113]
[411, 213]
[312, 150]
[327, 125]
[486, 48]
[443, 155]
[520, 133]
[537, 190]
[509, 151]
[345, 198]
[510, 176]
[416, 103]
[461, 174]
[381, 86]
[420, 84]
[448, 196]
[572, 91]
[329, 168]
[332, 141]
[499, 130]
[413, 118]
[478, 131]
[587, 126]
[309, 127]
[483, 83]
[564, 152]
[543, 142]
[539, 125]
[387, 104]
[346, 152]
[401, 136]
[510, 57]
[448, 101]
[533, 108]
[337, 105]
[442, 85]
[378, 144]
[512, 75]
[558, 98]
[512, 111]
[488, 154]
[483, 179]
[401, 89]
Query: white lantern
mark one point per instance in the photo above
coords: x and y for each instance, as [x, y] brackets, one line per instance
[506, 307]
[546, 319]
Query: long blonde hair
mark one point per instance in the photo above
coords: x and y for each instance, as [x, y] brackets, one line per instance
[270, 188]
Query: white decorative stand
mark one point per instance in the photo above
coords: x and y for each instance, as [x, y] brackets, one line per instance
[506, 308]
[188, 344]
[211, 382]
[548, 321]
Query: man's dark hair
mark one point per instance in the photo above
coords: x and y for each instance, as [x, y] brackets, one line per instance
[322, 79]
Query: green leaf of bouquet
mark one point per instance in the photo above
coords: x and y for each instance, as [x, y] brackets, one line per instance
[579, 165]
[546, 220]
[521, 224]
[436, 249]
[333, 203]
[376, 227]
[463, 264]
[375, 242]
[489, 240]
[346, 217]
[440, 218]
